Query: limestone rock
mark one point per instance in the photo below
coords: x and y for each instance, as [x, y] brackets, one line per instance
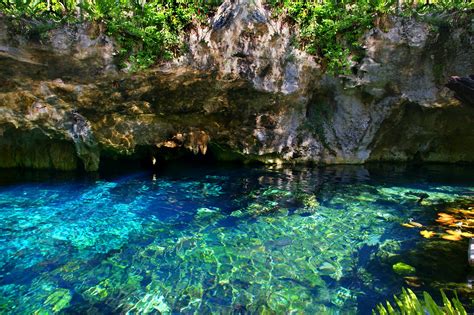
[241, 92]
[463, 87]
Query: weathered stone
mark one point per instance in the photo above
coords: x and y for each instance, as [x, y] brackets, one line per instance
[463, 87]
[242, 92]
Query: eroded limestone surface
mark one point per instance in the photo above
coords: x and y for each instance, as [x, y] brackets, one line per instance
[241, 92]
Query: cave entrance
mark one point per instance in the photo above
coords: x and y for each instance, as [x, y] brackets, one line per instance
[155, 159]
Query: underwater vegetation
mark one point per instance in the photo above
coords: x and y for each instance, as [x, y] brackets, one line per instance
[240, 240]
[408, 303]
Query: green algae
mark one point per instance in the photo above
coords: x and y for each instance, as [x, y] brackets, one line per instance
[98, 292]
[310, 203]
[403, 269]
[287, 249]
[59, 299]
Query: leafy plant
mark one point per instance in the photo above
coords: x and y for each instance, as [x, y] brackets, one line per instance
[331, 30]
[150, 30]
[147, 30]
[408, 303]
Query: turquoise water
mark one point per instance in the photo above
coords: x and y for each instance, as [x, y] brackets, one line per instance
[225, 239]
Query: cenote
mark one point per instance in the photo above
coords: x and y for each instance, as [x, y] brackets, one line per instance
[229, 239]
[236, 157]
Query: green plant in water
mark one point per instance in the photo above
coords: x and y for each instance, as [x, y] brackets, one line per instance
[408, 303]
[59, 299]
[403, 269]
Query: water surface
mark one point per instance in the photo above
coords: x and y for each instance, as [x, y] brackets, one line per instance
[225, 239]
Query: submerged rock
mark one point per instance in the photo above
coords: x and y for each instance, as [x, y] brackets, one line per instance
[420, 195]
[342, 296]
[197, 260]
[310, 203]
[59, 300]
[403, 269]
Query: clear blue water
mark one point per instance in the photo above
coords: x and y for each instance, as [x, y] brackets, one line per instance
[225, 239]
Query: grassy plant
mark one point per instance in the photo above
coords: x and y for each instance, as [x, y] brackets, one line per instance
[408, 303]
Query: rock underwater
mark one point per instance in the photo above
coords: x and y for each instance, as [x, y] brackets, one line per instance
[241, 92]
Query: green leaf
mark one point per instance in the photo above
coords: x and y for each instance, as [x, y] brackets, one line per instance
[431, 306]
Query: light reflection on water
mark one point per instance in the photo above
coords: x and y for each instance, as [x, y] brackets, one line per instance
[223, 239]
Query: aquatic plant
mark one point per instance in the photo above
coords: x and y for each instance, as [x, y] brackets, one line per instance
[409, 303]
[169, 245]
[59, 299]
[403, 269]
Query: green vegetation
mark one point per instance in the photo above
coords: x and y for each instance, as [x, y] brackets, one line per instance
[150, 30]
[408, 303]
[403, 269]
[332, 29]
[155, 25]
[147, 31]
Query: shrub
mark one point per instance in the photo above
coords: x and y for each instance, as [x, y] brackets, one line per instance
[150, 30]
[331, 30]
[147, 31]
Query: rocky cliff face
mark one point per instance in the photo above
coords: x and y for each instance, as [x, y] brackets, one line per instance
[242, 92]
